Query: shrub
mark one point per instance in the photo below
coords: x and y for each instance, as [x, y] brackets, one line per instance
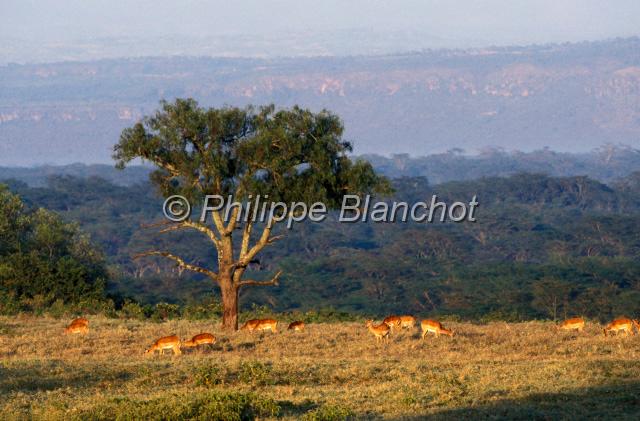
[165, 311]
[132, 310]
[9, 305]
[57, 309]
[202, 311]
[212, 405]
[256, 373]
[208, 376]
[329, 413]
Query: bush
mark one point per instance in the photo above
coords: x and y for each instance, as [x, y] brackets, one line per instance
[329, 413]
[165, 311]
[257, 312]
[213, 405]
[57, 310]
[132, 310]
[256, 373]
[202, 311]
[9, 305]
[209, 376]
[37, 304]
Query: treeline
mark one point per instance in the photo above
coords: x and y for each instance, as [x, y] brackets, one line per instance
[608, 163]
[542, 247]
[605, 164]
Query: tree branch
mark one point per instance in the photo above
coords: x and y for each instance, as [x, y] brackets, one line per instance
[262, 242]
[181, 263]
[246, 238]
[194, 225]
[273, 281]
[234, 214]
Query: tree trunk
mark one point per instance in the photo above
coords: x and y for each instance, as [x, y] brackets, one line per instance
[229, 305]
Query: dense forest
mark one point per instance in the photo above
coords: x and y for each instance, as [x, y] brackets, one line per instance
[542, 247]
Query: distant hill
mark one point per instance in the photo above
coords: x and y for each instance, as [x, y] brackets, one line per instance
[570, 97]
[38, 176]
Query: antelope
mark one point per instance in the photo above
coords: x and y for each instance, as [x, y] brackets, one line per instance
[380, 332]
[624, 324]
[260, 324]
[79, 325]
[392, 321]
[407, 322]
[167, 342]
[296, 326]
[577, 323]
[200, 339]
[435, 327]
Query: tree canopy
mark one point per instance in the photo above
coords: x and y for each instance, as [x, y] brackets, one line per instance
[40, 254]
[289, 155]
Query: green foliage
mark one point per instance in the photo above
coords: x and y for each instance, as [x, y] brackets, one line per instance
[203, 311]
[290, 155]
[256, 373]
[209, 375]
[132, 310]
[166, 311]
[211, 405]
[329, 413]
[43, 259]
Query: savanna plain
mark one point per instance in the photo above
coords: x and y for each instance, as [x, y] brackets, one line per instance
[330, 371]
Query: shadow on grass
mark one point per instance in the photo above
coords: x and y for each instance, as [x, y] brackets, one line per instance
[52, 377]
[620, 401]
[290, 409]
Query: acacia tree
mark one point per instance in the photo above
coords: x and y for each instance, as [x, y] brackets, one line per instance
[291, 155]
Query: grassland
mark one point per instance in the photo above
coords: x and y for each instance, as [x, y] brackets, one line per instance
[331, 371]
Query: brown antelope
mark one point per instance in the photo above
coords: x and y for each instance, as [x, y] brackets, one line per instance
[407, 322]
[576, 323]
[260, 324]
[380, 331]
[167, 342]
[79, 325]
[297, 326]
[392, 321]
[435, 327]
[621, 324]
[200, 339]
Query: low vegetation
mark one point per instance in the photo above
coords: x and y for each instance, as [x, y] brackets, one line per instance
[331, 371]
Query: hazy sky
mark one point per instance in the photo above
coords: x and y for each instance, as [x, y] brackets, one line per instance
[459, 23]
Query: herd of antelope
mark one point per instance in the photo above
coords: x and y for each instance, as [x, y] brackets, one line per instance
[380, 331]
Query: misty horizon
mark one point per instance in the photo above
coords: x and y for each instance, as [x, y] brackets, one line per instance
[89, 30]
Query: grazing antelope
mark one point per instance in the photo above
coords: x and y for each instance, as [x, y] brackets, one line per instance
[435, 327]
[167, 342]
[576, 323]
[296, 326]
[407, 322]
[260, 324]
[79, 325]
[380, 331]
[200, 339]
[624, 324]
[392, 321]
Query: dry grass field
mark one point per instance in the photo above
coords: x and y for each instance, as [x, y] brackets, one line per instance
[330, 371]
